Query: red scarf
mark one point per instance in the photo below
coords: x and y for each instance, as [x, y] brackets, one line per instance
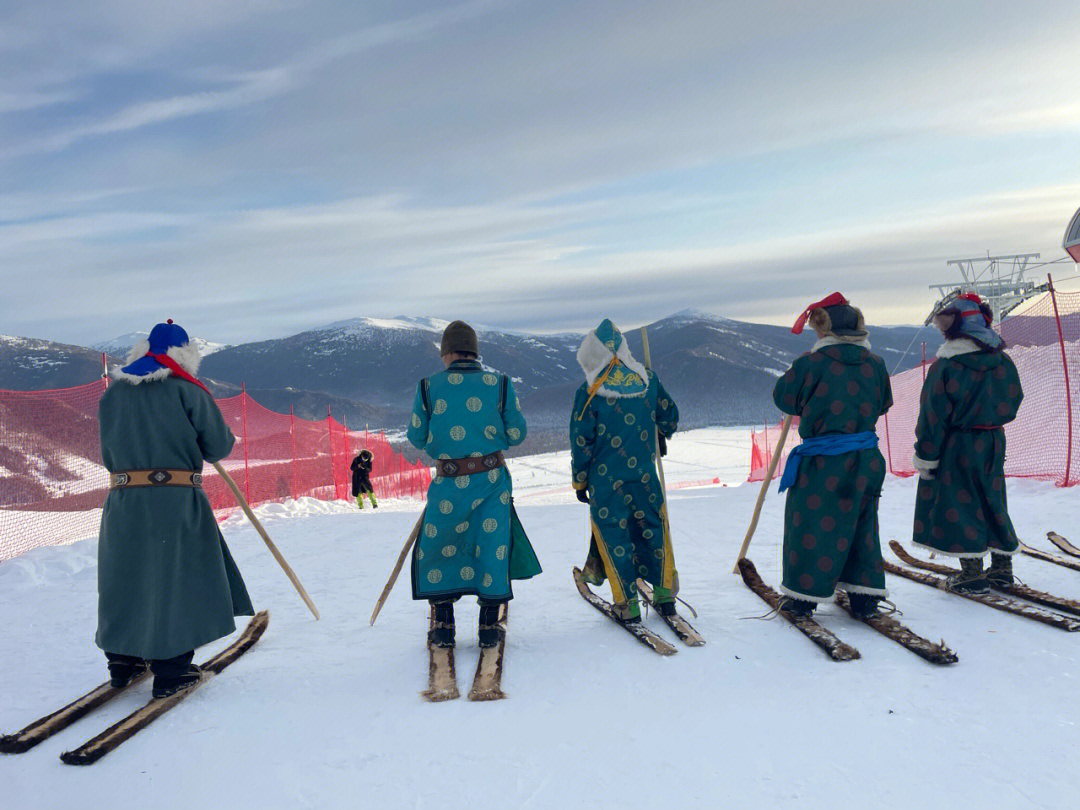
[174, 367]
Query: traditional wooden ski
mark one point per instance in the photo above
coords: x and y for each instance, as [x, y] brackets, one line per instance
[902, 635]
[636, 629]
[1070, 606]
[993, 600]
[1046, 556]
[442, 676]
[683, 629]
[40, 730]
[487, 682]
[108, 740]
[823, 638]
[1063, 544]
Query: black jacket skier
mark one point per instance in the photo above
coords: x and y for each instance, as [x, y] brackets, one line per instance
[361, 478]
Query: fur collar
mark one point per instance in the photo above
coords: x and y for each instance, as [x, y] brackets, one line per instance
[187, 357]
[834, 340]
[594, 357]
[952, 348]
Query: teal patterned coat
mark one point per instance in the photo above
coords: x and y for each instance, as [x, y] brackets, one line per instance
[471, 541]
[831, 535]
[613, 455]
[962, 511]
[166, 581]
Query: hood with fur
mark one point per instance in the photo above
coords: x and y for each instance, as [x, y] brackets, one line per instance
[628, 377]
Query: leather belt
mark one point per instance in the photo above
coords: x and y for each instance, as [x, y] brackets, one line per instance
[155, 478]
[455, 467]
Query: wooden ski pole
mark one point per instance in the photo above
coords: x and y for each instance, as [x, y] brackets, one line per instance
[266, 539]
[764, 489]
[659, 458]
[397, 568]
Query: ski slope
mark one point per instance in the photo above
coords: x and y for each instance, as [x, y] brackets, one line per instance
[327, 714]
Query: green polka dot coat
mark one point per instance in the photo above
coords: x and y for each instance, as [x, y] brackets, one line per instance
[471, 541]
[613, 455]
[962, 511]
[831, 538]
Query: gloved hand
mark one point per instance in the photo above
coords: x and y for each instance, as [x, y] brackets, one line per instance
[661, 440]
[582, 495]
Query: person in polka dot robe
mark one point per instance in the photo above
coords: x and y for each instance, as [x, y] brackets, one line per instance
[971, 391]
[471, 542]
[837, 391]
[619, 411]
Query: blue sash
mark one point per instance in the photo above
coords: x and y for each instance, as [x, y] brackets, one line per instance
[834, 444]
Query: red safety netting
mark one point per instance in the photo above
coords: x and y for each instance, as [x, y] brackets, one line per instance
[1044, 343]
[52, 482]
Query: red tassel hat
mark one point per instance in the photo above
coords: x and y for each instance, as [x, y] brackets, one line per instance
[832, 315]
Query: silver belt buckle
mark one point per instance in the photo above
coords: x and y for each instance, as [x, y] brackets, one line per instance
[196, 479]
[120, 479]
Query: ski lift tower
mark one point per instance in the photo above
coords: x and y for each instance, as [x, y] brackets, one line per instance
[999, 280]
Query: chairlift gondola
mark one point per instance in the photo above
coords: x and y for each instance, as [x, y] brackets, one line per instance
[1071, 242]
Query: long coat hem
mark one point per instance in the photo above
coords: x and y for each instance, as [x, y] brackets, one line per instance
[965, 555]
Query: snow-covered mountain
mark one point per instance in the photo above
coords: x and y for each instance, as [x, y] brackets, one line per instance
[120, 346]
[719, 370]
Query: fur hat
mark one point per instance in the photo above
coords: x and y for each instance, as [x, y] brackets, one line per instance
[166, 339]
[459, 337]
[968, 316]
[833, 315]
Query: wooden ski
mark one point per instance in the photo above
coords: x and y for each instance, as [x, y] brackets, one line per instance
[1063, 544]
[108, 740]
[823, 638]
[683, 629]
[487, 682]
[636, 629]
[442, 676]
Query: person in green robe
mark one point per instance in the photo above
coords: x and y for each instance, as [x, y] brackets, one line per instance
[834, 477]
[471, 541]
[166, 581]
[971, 392]
[621, 418]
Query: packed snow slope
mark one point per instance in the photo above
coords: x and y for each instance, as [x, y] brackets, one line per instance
[327, 714]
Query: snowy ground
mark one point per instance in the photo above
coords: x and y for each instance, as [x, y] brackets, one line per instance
[327, 714]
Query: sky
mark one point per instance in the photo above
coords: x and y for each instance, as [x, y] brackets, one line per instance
[259, 167]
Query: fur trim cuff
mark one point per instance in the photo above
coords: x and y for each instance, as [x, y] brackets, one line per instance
[835, 340]
[847, 586]
[965, 555]
[924, 464]
[805, 597]
[953, 348]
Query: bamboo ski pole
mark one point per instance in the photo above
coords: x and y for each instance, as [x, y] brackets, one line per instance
[266, 539]
[764, 489]
[397, 568]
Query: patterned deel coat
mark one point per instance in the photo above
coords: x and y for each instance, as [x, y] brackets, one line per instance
[471, 541]
[831, 535]
[968, 395]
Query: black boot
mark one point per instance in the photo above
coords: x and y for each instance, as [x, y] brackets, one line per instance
[971, 578]
[863, 605]
[165, 685]
[1000, 574]
[123, 669]
[491, 633]
[797, 607]
[666, 608]
[441, 633]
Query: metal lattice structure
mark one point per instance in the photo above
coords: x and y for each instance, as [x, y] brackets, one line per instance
[999, 280]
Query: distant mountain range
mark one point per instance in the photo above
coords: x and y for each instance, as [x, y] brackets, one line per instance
[719, 370]
[120, 346]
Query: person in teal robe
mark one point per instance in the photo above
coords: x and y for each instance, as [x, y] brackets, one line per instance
[471, 542]
[621, 419]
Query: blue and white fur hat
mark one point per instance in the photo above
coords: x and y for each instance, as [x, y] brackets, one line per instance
[968, 317]
[166, 338]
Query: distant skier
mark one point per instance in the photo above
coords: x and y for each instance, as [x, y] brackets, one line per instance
[834, 477]
[361, 479]
[971, 391]
[621, 419]
[166, 581]
[471, 542]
